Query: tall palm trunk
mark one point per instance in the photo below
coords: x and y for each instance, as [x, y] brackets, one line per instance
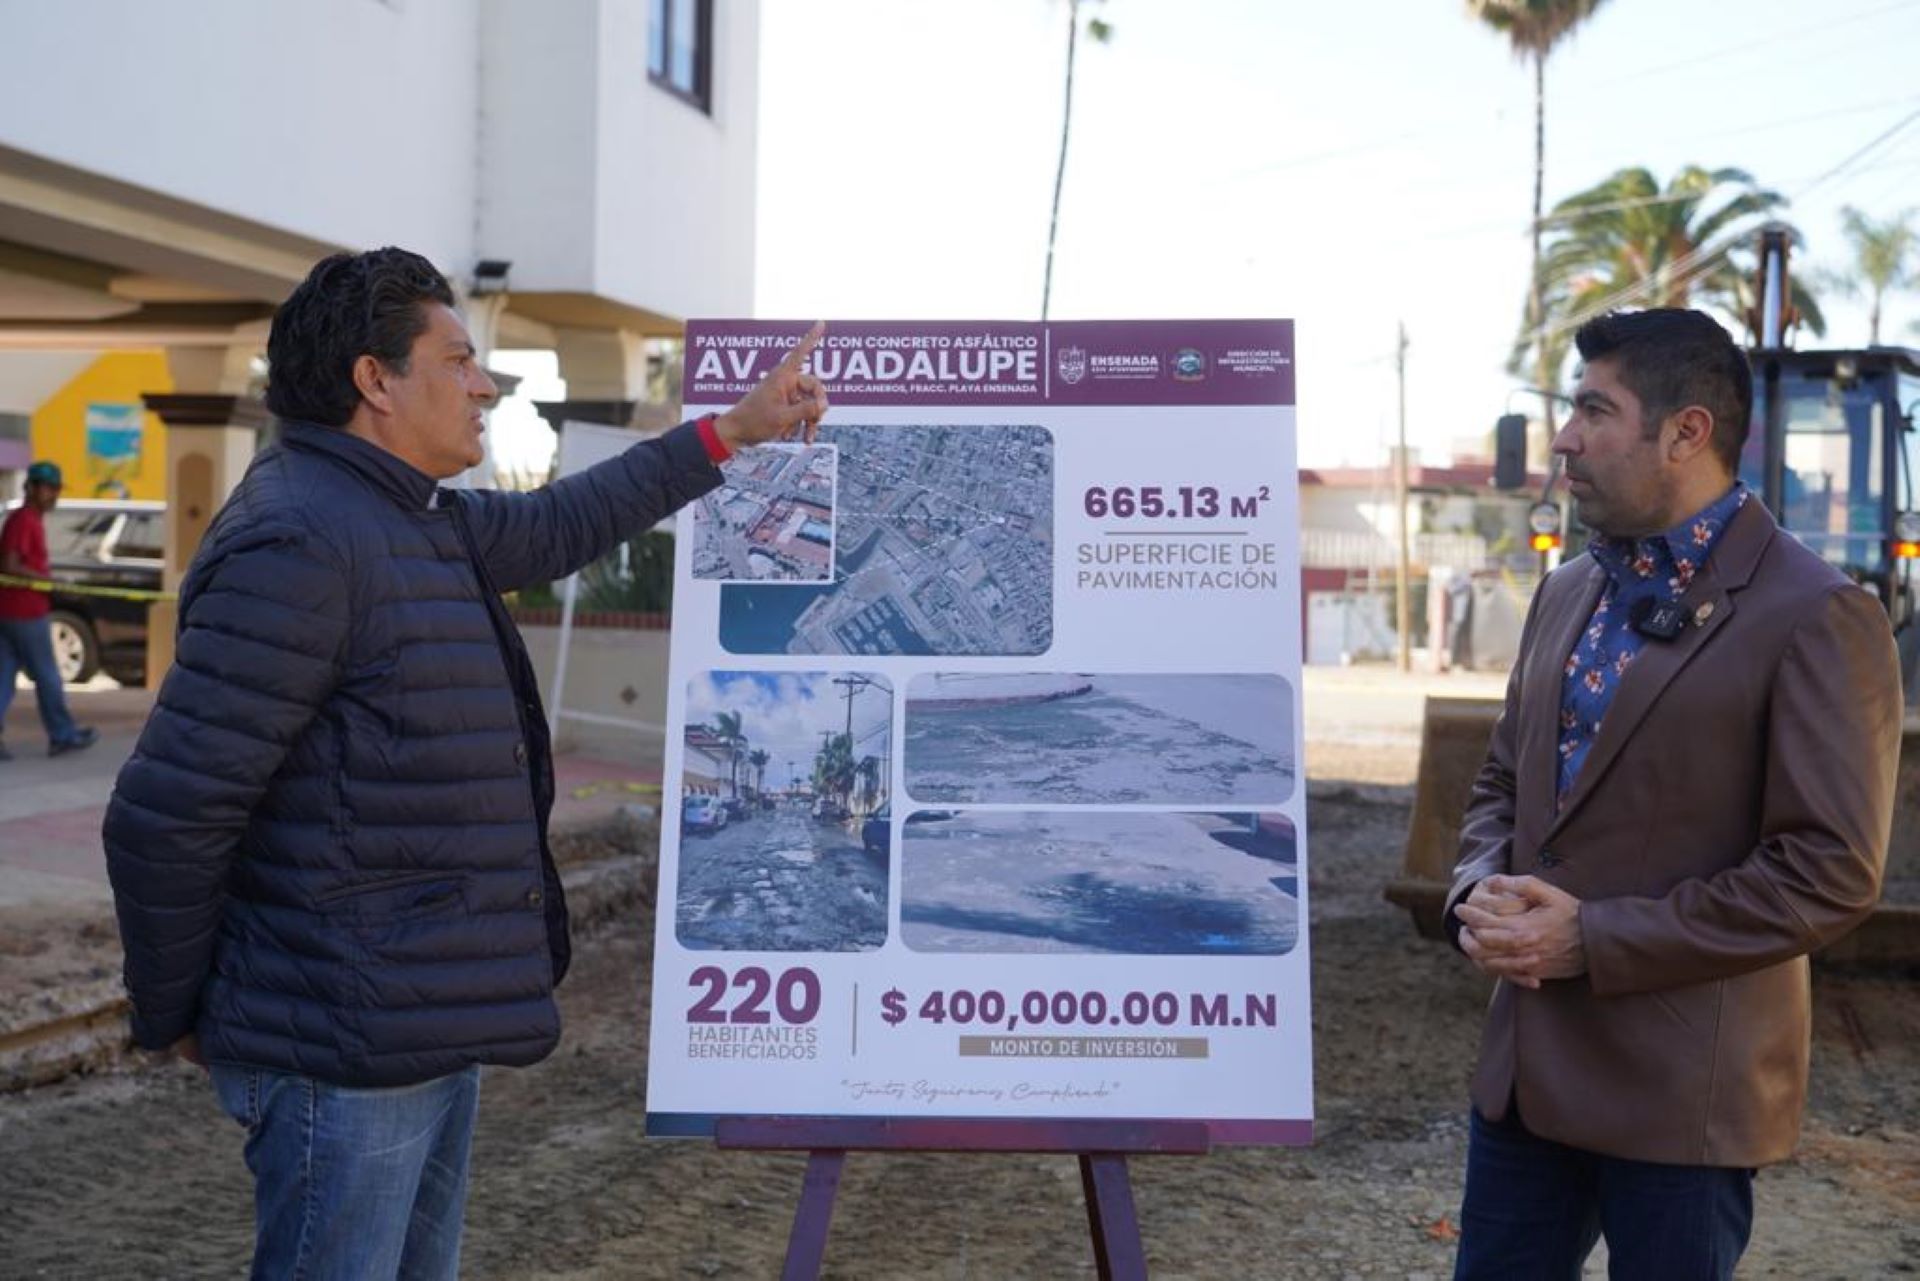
[1544, 375]
[1060, 171]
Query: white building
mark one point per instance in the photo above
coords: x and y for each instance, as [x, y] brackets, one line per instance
[582, 170]
[168, 171]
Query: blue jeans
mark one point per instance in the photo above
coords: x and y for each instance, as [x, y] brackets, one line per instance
[26, 645]
[359, 1185]
[1534, 1209]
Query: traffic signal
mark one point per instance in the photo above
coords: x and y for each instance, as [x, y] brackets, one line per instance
[1906, 536]
[1510, 451]
[1543, 522]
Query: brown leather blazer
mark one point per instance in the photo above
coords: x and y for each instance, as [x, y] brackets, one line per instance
[1731, 817]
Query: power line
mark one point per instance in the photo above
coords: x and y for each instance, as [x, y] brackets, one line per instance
[1825, 25]
[1564, 215]
[1505, 226]
[1448, 124]
[1879, 139]
[1690, 266]
[1808, 118]
[1639, 202]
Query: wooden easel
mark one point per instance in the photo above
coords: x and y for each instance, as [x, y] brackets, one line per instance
[1102, 1147]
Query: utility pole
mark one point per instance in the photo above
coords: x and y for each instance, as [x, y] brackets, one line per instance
[1401, 604]
[853, 685]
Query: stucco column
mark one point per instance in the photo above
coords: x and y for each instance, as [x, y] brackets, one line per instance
[609, 380]
[211, 438]
[614, 413]
[602, 364]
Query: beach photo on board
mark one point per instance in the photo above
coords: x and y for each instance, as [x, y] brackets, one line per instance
[1093, 739]
[1131, 883]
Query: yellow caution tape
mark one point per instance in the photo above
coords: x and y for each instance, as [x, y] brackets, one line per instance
[1515, 591]
[76, 589]
[590, 790]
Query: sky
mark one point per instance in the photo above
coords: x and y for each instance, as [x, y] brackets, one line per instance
[785, 713]
[1347, 166]
[1274, 158]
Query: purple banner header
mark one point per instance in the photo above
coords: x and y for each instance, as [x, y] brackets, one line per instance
[1092, 362]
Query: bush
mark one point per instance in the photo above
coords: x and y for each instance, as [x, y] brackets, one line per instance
[635, 577]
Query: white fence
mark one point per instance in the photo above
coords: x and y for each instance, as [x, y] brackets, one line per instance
[1363, 550]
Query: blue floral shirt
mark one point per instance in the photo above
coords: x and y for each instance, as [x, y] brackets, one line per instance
[1658, 567]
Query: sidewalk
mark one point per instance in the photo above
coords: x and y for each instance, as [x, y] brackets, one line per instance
[61, 999]
[51, 808]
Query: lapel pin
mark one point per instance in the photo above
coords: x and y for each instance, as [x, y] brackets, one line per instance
[1702, 614]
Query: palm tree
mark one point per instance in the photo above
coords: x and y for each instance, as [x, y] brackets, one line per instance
[726, 728]
[1534, 28]
[1101, 32]
[833, 769]
[868, 773]
[1883, 254]
[1628, 241]
[758, 758]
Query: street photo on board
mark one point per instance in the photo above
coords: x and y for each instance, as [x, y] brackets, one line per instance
[943, 544]
[783, 833]
[1089, 739]
[772, 521]
[1132, 883]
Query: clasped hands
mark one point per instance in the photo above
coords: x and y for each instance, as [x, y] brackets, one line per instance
[1522, 929]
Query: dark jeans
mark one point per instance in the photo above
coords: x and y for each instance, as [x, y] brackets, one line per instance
[1534, 1209]
[26, 645]
[354, 1184]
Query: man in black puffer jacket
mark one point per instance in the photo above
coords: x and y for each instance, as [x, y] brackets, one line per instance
[329, 849]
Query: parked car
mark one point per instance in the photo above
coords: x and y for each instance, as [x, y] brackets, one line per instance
[930, 816]
[876, 833]
[702, 814]
[97, 542]
[828, 810]
[736, 809]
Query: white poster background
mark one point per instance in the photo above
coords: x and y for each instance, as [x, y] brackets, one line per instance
[1252, 1081]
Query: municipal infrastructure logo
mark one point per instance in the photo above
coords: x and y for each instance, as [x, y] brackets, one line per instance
[1072, 364]
[1189, 365]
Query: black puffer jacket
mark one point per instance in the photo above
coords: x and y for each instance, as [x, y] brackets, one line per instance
[329, 849]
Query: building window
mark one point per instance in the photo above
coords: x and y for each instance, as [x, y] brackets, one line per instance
[680, 49]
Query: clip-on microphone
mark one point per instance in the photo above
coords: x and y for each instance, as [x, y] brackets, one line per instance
[1660, 620]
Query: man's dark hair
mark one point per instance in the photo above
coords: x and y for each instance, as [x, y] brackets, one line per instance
[1672, 357]
[350, 305]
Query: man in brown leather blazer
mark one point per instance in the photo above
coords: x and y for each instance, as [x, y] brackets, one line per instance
[1690, 789]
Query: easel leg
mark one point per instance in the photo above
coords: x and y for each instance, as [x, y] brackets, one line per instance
[1117, 1252]
[807, 1243]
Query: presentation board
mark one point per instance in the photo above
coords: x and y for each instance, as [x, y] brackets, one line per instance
[984, 793]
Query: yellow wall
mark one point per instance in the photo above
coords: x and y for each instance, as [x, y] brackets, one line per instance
[60, 427]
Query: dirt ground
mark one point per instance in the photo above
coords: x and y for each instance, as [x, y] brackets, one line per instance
[132, 1171]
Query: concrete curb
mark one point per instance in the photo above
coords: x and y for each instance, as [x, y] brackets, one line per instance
[83, 1027]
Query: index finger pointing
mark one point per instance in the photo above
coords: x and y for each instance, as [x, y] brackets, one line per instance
[804, 348]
